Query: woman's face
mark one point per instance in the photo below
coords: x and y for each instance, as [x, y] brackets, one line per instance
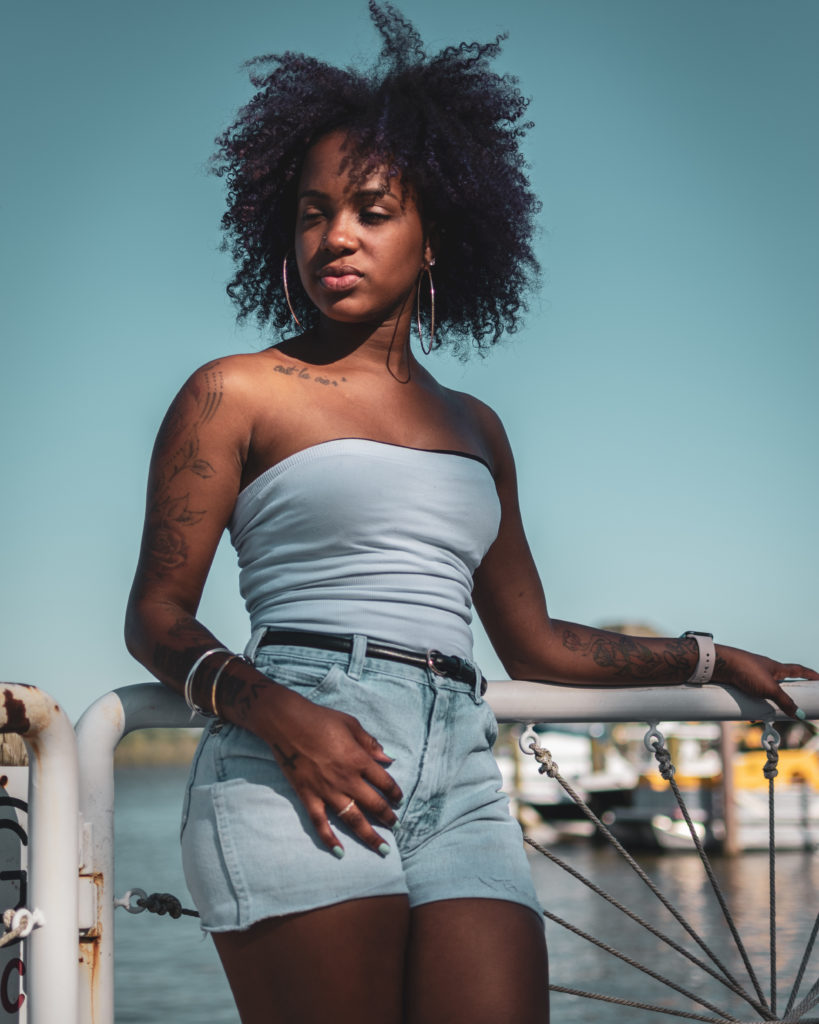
[359, 248]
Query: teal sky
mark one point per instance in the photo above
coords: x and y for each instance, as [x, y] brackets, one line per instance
[661, 400]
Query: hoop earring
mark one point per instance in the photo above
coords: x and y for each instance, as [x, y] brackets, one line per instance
[426, 349]
[287, 293]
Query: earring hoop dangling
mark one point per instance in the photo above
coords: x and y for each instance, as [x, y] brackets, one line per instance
[287, 293]
[426, 349]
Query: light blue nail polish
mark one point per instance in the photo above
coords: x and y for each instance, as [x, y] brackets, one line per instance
[338, 852]
[399, 803]
[801, 714]
[395, 826]
[383, 849]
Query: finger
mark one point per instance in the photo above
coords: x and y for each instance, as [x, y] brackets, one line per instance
[786, 703]
[797, 672]
[385, 783]
[318, 816]
[374, 806]
[355, 820]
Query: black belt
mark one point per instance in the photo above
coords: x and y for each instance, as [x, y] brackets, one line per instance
[449, 665]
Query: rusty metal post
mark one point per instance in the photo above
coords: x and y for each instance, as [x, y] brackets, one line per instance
[99, 730]
[51, 981]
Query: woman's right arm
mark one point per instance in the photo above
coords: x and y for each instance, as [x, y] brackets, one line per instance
[194, 479]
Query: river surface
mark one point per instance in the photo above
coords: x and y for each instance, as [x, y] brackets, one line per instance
[166, 971]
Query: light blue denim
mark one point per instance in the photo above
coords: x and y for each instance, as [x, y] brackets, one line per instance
[250, 851]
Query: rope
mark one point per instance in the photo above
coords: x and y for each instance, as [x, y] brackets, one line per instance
[654, 931]
[810, 1000]
[161, 903]
[19, 924]
[723, 1015]
[801, 972]
[549, 767]
[667, 771]
[770, 741]
[165, 903]
[636, 1005]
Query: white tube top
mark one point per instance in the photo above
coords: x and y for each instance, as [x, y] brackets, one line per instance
[359, 536]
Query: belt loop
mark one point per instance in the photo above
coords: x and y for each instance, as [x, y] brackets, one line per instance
[357, 656]
[480, 686]
[253, 642]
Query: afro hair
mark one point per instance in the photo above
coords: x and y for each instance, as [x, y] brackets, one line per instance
[447, 124]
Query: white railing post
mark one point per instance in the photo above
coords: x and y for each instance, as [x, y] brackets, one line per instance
[99, 730]
[50, 979]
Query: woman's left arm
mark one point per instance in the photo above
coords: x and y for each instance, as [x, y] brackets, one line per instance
[509, 599]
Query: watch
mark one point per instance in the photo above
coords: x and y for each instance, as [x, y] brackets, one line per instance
[707, 657]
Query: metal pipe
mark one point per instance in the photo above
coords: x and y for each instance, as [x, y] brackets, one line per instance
[518, 701]
[53, 850]
[99, 730]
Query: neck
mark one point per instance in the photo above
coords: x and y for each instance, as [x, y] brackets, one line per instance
[384, 345]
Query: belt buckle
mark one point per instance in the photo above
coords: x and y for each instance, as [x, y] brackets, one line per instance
[432, 654]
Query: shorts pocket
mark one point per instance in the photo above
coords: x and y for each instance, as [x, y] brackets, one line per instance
[491, 724]
[186, 803]
[311, 679]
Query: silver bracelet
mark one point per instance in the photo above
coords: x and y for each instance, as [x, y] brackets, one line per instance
[218, 676]
[706, 658]
[188, 688]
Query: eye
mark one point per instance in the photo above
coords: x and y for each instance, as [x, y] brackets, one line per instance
[373, 216]
[310, 214]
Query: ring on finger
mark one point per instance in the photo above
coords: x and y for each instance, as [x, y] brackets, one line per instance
[346, 810]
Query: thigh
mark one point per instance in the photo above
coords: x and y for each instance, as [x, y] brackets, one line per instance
[343, 963]
[477, 960]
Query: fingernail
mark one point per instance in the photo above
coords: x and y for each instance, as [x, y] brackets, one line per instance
[395, 825]
[399, 803]
[384, 752]
[801, 714]
[338, 852]
[383, 849]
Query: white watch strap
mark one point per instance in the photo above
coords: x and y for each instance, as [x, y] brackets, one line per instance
[706, 660]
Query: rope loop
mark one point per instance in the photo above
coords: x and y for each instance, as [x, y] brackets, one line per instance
[770, 743]
[528, 739]
[653, 738]
[548, 766]
[667, 769]
[19, 924]
[161, 903]
[125, 901]
[137, 901]
[655, 743]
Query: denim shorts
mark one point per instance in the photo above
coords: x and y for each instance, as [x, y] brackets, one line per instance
[250, 852]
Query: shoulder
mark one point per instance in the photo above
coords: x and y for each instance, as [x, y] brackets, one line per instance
[488, 428]
[234, 382]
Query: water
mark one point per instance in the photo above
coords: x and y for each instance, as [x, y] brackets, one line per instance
[166, 971]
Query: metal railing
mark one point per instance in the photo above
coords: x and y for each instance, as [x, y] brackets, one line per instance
[53, 850]
[71, 806]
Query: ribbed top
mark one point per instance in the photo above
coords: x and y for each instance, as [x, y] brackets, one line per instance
[360, 536]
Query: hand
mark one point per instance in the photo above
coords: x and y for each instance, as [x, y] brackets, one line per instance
[330, 760]
[759, 676]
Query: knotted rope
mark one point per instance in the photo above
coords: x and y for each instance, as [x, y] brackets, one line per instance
[161, 903]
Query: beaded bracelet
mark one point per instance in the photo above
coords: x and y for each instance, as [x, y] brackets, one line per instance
[187, 692]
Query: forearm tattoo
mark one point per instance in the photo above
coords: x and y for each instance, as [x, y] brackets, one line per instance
[627, 657]
[178, 454]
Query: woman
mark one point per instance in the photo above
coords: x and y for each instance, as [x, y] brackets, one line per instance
[342, 834]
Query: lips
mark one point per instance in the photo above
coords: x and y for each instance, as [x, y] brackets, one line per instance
[339, 279]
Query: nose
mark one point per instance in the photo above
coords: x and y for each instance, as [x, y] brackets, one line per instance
[340, 236]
